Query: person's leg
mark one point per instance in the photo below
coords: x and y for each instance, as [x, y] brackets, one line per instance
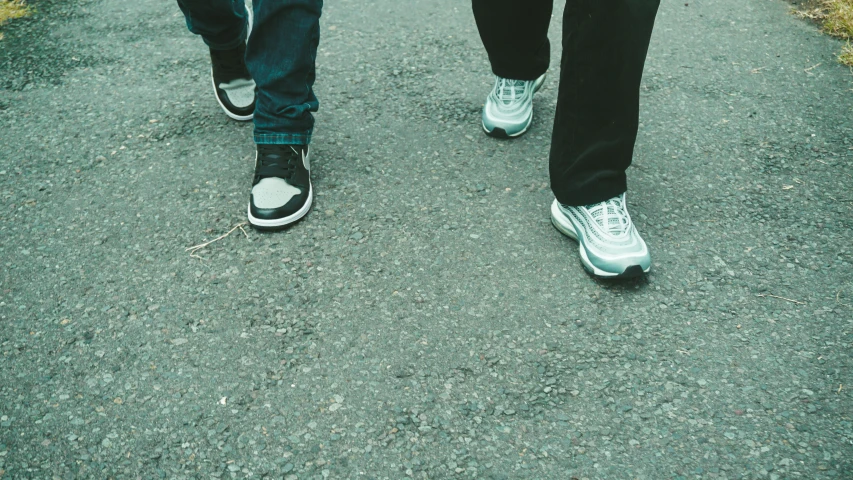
[224, 25]
[516, 40]
[280, 55]
[221, 23]
[515, 36]
[604, 49]
[595, 126]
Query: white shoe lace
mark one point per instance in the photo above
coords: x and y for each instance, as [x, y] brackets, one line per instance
[611, 215]
[507, 91]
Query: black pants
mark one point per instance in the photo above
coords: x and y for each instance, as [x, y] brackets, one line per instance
[604, 49]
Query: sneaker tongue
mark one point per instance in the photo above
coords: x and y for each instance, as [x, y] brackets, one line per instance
[610, 216]
[231, 62]
[510, 90]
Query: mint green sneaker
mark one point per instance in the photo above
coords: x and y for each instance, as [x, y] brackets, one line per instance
[508, 111]
[609, 244]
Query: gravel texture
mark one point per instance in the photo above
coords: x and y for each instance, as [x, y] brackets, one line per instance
[425, 320]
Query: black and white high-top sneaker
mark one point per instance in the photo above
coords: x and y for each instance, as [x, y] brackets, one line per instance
[232, 83]
[281, 189]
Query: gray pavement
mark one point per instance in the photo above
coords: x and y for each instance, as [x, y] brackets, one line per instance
[425, 320]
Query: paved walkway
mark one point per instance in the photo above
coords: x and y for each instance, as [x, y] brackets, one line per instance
[425, 320]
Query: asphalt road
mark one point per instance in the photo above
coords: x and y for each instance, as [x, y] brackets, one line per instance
[425, 320]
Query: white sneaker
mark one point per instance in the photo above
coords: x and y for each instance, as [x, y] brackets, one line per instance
[508, 111]
[609, 244]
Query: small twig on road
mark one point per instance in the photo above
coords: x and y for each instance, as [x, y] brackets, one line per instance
[198, 247]
[781, 298]
[840, 386]
[815, 14]
[838, 299]
[757, 70]
[813, 67]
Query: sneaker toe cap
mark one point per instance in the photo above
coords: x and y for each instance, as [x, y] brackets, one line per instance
[617, 263]
[273, 198]
[510, 122]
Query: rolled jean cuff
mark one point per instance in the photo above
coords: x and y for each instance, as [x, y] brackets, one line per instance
[303, 138]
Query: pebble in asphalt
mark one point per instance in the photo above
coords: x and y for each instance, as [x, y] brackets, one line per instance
[425, 320]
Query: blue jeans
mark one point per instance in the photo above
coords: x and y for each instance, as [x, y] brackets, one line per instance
[280, 55]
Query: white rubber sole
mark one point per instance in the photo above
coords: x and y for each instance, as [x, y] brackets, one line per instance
[564, 226]
[284, 221]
